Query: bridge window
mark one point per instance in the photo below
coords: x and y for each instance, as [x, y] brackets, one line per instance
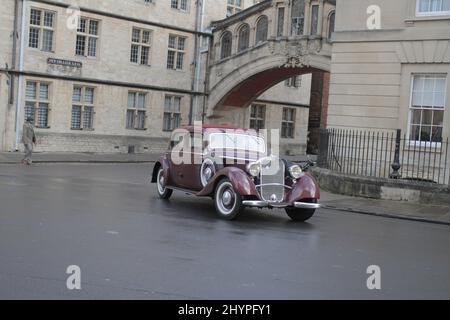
[280, 24]
[233, 7]
[288, 123]
[244, 38]
[331, 23]
[314, 19]
[225, 45]
[257, 116]
[298, 17]
[262, 29]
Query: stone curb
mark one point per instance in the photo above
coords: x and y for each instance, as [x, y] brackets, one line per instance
[382, 189]
[387, 215]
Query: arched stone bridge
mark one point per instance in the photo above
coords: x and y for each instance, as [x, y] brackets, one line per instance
[264, 45]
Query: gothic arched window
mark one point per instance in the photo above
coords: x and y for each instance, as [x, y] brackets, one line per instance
[244, 38]
[331, 22]
[225, 45]
[262, 29]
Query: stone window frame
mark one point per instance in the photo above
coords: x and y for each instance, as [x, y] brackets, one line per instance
[288, 123]
[233, 7]
[314, 20]
[299, 24]
[430, 13]
[83, 106]
[176, 52]
[171, 113]
[293, 82]
[411, 108]
[136, 115]
[330, 32]
[280, 26]
[140, 44]
[41, 28]
[243, 42]
[260, 38]
[257, 119]
[178, 5]
[40, 105]
[229, 52]
[88, 36]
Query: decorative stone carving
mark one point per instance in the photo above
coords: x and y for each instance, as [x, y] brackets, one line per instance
[297, 53]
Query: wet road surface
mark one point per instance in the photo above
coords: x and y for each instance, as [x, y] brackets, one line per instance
[129, 244]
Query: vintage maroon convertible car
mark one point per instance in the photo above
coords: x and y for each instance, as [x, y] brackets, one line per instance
[230, 165]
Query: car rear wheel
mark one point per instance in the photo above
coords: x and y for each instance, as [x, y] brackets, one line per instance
[228, 203]
[301, 215]
[163, 192]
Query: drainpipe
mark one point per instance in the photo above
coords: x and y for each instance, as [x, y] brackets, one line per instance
[207, 73]
[197, 63]
[21, 56]
[14, 48]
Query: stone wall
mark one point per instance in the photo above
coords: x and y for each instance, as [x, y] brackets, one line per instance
[52, 142]
[379, 188]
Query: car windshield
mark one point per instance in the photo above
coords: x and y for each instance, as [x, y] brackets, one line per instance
[236, 141]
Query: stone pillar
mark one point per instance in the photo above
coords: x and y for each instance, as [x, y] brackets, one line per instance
[321, 18]
[287, 19]
[307, 27]
[318, 110]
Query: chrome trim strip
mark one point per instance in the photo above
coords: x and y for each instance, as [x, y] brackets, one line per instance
[305, 205]
[257, 204]
[273, 184]
[265, 204]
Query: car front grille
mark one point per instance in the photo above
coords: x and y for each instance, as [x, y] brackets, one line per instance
[272, 181]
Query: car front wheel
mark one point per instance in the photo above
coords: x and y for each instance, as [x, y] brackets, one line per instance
[228, 203]
[163, 192]
[300, 215]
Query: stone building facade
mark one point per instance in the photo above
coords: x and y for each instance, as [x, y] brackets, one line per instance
[118, 77]
[393, 75]
[267, 43]
[390, 71]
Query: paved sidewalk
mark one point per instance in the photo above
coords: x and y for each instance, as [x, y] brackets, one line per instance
[385, 208]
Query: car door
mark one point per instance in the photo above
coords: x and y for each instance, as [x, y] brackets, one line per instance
[177, 143]
[185, 170]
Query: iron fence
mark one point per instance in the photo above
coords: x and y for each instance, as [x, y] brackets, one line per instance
[384, 155]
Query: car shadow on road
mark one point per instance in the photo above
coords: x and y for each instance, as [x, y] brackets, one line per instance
[202, 209]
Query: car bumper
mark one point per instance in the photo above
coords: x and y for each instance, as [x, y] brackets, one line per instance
[266, 204]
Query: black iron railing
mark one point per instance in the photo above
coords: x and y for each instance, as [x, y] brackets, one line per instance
[384, 155]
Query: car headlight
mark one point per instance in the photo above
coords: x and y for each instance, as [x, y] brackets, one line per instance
[254, 169]
[296, 172]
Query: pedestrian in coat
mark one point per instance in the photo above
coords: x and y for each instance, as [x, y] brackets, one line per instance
[28, 140]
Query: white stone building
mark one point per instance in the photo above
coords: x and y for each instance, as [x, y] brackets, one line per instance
[119, 77]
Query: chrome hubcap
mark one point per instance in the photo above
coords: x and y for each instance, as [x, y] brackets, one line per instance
[226, 198]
